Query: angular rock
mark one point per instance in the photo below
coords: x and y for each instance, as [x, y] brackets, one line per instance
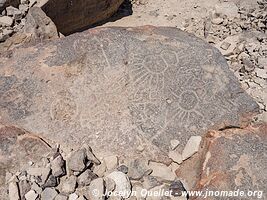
[150, 182]
[177, 188]
[227, 8]
[91, 156]
[162, 171]
[123, 168]
[14, 12]
[24, 188]
[109, 184]
[69, 185]
[175, 156]
[6, 21]
[42, 172]
[96, 190]
[236, 159]
[48, 194]
[191, 147]
[13, 191]
[77, 15]
[77, 160]
[138, 168]
[39, 25]
[111, 162]
[100, 170]
[147, 93]
[73, 196]
[86, 177]
[50, 182]
[6, 3]
[123, 185]
[58, 166]
[174, 144]
[31, 195]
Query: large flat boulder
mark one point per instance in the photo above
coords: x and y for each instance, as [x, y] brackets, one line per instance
[72, 16]
[127, 91]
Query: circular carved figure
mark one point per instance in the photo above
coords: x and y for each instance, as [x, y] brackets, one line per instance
[155, 64]
[188, 100]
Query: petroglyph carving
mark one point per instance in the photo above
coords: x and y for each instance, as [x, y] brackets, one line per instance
[109, 84]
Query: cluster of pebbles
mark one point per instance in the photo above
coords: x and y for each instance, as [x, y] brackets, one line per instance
[240, 34]
[12, 18]
[80, 175]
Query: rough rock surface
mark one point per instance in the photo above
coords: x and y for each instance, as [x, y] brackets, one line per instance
[70, 16]
[236, 160]
[17, 148]
[161, 84]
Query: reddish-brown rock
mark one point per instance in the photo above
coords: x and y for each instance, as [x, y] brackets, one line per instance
[236, 161]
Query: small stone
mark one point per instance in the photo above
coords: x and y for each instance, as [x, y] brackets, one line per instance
[191, 147]
[109, 184]
[161, 171]
[225, 45]
[49, 194]
[123, 185]
[57, 166]
[50, 182]
[138, 168]
[69, 185]
[177, 188]
[24, 187]
[217, 21]
[42, 172]
[111, 162]
[36, 188]
[76, 160]
[6, 21]
[86, 177]
[14, 12]
[150, 182]
[227, 8]
[61, 197]
[73, 196]
[90, 155]
[140, 148]
[123, 168]
[96, 189]
[31, 195]
[23, 8]
[100, 170]
[175, 156]
[13, 191]
[174, 144]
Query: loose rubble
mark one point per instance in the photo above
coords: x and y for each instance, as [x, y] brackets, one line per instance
[51, 179]
[240, 34]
